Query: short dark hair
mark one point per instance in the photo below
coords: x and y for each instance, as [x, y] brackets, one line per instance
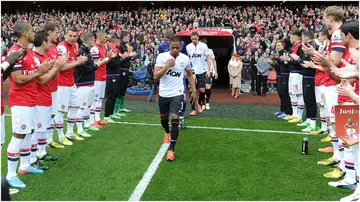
[287, 43]
[114, 38]
[309, 34]
[72, 28]
[40, 38]
[87, 36]
[100, 33]
[194, 34]
[295, 32]
[123, 34]
[175, 39]
[281, 41]
[324, 31]
[169, 32]
[351, 27]
[50, 26]
[20, 28]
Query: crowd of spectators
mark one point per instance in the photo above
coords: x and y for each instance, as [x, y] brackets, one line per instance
[255, 28]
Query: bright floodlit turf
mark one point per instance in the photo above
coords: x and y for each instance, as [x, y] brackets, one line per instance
[210, 164]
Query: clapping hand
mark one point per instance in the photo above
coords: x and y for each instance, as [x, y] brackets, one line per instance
[81, 59]
[308, 50]
[345, 88]
[323, 60]
[45, 67]
[347, 72]
[15, 56]
[62, 60]
[308, 64]
[355, 56]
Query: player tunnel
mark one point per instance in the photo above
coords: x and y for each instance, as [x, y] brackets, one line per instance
[222, 43]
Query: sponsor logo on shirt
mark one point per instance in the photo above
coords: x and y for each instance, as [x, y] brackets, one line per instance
[61, 50]
[336, 38]
[28, 72]
[37, 62]
[194, 55]
[173, 73]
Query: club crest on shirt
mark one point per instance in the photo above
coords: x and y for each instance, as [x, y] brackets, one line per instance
[96, 95]
[62, 106]
[23, 126]
[39, 125]
[182, 64]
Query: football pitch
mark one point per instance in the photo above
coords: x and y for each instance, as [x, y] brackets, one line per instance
[232, 152]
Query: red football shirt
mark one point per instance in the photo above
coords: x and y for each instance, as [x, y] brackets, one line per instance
[43, 91]
[2, 90]
[320, 75]
[97, 52]
[25, 94]
[347, 57]
[334, 45]
[53, 54]
[2, 97]
[66, 78]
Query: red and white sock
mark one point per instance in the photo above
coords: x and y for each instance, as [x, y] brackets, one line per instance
[13, 154]
[34, 147]
[25, 150]
[71, 121]
[42, 144]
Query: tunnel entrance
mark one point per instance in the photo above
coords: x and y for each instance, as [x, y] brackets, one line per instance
[222, 43]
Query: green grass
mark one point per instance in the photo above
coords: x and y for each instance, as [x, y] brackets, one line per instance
[215, 165]
[209, 165]
[106, 166]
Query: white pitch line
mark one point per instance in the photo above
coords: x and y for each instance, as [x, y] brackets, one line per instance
[214, 128]
[219, 128]
[144, 182]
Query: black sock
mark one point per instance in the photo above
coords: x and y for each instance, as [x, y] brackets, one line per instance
[208, 95]
[201, 98]
[174, 133]
[165, 123]
[192, 105]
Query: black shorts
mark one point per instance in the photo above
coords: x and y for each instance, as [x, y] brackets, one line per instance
[209, 80]
[200, 80]
[174, 105]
